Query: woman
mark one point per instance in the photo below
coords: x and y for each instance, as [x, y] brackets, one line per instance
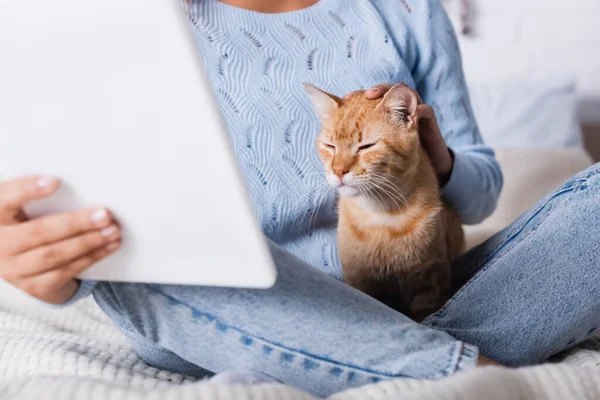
[527, 293]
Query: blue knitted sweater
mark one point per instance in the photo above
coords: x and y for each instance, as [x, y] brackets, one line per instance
[257, 64]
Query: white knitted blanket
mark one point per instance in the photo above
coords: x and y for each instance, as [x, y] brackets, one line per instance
[75, 353]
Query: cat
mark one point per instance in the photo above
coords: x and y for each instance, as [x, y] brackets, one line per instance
[396, 236]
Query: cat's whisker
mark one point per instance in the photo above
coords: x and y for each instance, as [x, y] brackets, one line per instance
[320, 195]
[386, 192]
[319, 201]
[390, 190]
[402, 203]
[387, 178]
[315, 214]
[383, 180]
[362, 188]
[396, 224]
[375, 194]
[365, 184]
[314, 209]
[317, 193]
[394, 193]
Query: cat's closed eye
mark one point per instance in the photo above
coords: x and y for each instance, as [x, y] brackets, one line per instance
[366, 146]
[328, 145]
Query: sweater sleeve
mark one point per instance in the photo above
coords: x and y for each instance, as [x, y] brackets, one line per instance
[428, 45]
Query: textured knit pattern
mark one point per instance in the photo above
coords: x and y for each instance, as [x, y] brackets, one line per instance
[76, 353]
[257, 64]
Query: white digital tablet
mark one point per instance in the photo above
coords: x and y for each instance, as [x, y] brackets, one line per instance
[110, 97]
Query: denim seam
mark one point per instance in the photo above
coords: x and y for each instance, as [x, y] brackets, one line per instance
[454, 359]
[573, 342]
[451, 358]
[465, 352]
[590, 335]
[566, 189]
[319, 358]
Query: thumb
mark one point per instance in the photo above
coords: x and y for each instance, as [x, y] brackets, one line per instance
[425, 112]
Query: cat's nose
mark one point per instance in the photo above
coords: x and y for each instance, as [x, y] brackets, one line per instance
[341, 171]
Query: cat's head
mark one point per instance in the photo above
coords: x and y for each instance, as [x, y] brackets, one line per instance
[367, 146]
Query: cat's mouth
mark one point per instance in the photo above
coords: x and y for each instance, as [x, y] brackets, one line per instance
[348, 190]
[345, 186]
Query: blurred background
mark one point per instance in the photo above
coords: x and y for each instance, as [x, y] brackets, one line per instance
[540, 52]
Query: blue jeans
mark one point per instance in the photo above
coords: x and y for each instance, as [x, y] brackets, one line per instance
[527, 293]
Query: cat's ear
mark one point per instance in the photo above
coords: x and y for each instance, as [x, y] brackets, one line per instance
[325, 104]
[401, 102]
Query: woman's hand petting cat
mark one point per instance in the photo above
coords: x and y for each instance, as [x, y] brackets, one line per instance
[43, 256]
[431, 137]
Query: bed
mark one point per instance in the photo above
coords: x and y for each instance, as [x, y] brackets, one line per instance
[76, 353]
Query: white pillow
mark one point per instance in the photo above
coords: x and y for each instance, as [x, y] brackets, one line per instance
[527, 113]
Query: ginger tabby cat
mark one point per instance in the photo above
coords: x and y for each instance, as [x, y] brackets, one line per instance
[396, 237]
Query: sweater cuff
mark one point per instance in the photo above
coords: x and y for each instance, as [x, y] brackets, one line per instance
[454, 190]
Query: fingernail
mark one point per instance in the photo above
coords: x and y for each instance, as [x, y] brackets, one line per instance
[113, 246]
[111, 230]
[45, 182]
[374, 90]
[99, 217]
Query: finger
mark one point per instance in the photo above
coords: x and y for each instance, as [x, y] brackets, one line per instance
[425, 112]
[378, 90]
[349, 95]
[46, 258]
[53, 228]
[14, 194]
[21, 217]
[58, 285]
[76, 267]
[419, 99]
